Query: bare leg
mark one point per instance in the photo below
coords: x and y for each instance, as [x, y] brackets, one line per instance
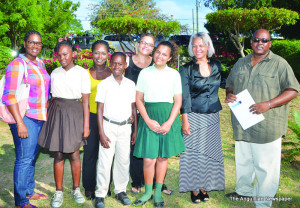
[148, 166]
[59, 161]
[76, 168]
[161, 169]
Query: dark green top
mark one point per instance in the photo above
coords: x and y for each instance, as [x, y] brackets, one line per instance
[265, 81]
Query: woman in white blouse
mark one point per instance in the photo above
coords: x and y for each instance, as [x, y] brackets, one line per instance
[67, 126]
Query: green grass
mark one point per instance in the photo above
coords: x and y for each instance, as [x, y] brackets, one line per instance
[289, 181]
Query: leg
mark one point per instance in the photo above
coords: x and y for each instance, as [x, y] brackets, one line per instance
[267, 170]
[90, 157]
[76, 168]
[59, 162]
[244, 168]
[105, 161]
[161, 169]
[26, 151]
[122, 159]
[148, 176]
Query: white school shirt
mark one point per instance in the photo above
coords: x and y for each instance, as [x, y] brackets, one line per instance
[70, 84]
[117, 98]
[159, 85]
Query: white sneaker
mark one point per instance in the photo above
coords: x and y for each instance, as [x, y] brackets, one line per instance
[57, 199]
[79, 198]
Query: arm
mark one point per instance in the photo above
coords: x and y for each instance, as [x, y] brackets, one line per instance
[152, 124]
[86, 115]
[134, 115]
[165, 127]
[284, 98]
[104, 140]
[185, 124]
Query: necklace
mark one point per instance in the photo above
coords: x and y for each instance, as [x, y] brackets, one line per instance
[100, 70]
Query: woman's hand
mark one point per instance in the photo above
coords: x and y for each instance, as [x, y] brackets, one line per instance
[154, 126]
[186, 128]
[104, 140]
[22, 130]
[86, 132]
[133, 138]
[165, 128]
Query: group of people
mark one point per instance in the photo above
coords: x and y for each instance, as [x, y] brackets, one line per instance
[126, 117]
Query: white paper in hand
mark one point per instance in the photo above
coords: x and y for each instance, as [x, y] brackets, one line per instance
[241, 110]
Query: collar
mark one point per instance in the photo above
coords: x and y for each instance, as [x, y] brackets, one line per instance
[268, 57]
[21, 55]
[195, 60]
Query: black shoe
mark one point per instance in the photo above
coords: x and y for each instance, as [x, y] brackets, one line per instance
[203, 197]
[234, 196]
[195, 198]
[140, 202]
[159, 204]
[166, 191]
[90, 195]
[99, 202]
[123, 198]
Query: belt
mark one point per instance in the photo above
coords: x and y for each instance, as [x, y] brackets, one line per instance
[128, 121]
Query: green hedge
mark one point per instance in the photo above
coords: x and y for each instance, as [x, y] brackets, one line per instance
[5, 58]
[290, 51]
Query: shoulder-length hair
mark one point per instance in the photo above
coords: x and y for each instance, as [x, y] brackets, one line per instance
[207, 41]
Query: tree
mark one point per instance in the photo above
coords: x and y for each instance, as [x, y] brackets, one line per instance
[120, 8]
[240, 22]
[51, 18]
[133, 26]
[291, 31]
[229, 4]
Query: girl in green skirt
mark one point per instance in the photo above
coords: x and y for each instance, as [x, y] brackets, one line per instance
[159, 137]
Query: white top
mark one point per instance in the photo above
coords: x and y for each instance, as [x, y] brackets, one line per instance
[70, 84]
[117, 98]
[159, 85]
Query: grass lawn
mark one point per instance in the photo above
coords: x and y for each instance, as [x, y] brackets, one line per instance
[288, 189]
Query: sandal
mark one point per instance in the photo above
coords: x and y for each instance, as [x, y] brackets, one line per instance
[195, 198]
[39, 197]
[138, 190]
[203, 197]
[166, 191]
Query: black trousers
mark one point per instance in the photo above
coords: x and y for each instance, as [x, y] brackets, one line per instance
[90, 156]
[136, 167]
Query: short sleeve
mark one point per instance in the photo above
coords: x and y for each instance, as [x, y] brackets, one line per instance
[287, 78]
[140, 85]
[13, 79]
[133, 92]
[177, 84]
[85, 82]
[101, 92]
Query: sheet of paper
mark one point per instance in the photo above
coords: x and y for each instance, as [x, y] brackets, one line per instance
[240, 109]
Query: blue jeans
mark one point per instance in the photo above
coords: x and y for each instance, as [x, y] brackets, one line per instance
[26, 151]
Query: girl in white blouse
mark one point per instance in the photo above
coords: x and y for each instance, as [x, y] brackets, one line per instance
[67, 126]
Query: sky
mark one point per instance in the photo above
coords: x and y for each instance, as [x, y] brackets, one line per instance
[180, 9]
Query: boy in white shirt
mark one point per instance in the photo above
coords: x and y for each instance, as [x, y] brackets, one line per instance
[116, 104]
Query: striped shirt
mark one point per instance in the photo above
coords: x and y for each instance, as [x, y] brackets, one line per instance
[39, 81]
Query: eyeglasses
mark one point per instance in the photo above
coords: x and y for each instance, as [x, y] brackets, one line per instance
[147, 44]
[263, 40]
[32, 43]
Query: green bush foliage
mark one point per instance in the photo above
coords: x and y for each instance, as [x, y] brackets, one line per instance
[290, 51]
[5, 58]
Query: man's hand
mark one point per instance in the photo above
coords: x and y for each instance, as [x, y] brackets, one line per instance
[259, 108]
[104, 140]
[230, 98]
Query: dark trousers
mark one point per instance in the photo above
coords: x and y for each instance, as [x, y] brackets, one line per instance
[136, 167]
[90, 156]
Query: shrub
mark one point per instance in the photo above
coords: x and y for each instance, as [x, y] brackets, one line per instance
[290, 51]
[5, 58]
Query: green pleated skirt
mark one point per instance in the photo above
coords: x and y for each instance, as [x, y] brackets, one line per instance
[150, 144]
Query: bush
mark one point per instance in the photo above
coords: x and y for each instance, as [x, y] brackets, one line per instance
[290, 51]
[5, 58]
